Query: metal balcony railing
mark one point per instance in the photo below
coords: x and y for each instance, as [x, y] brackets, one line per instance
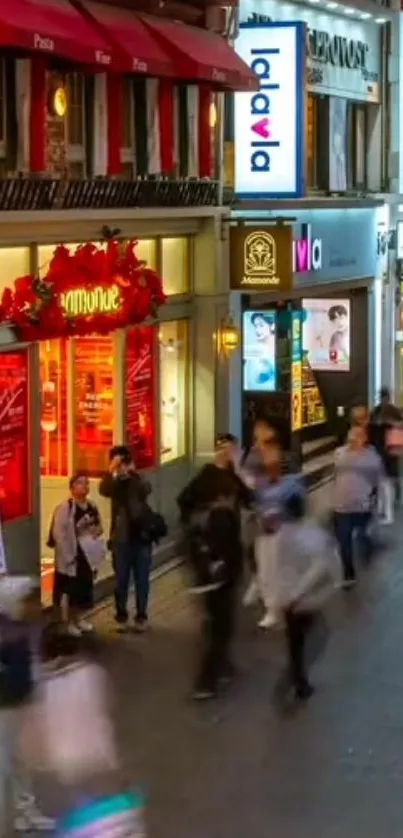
[30, 193]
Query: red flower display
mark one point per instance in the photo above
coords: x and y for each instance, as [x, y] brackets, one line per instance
[93, 290]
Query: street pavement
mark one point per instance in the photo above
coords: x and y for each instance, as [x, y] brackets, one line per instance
[234, 767]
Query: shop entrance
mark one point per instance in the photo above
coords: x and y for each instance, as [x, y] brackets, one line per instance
[78, 424]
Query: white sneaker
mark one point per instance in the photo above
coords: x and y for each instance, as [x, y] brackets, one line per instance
[251, 594]
[32, 820]
[85, 627]
[268, 621]
[72, 630]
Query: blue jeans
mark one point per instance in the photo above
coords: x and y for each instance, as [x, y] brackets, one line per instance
[346, 524]
[132, 559]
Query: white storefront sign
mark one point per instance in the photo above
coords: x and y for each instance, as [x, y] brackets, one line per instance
[343, 53]
[269, 123]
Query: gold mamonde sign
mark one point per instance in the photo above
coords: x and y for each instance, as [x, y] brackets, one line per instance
[261, 258]
[81, 302]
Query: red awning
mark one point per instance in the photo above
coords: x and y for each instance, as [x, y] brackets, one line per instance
[131, 37]
[200, 55]
[53, 27]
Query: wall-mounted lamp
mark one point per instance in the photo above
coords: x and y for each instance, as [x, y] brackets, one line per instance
[57, 102]
[229, 335]
[212, 115]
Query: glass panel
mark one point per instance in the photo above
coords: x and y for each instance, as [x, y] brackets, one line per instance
[360, 145]
[175, 266]
[14, 262]
[127, 126]
[53, 377]
[15, 500]
[147, 251]
[93, 402]
[140, 394]
[311, 141]
[173, 339]
[75, 110]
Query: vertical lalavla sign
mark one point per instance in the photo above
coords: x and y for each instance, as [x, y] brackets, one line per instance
[269, 124]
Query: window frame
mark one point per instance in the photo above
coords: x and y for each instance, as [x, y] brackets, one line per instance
[75, 152]
[3, 105]
[128, 153]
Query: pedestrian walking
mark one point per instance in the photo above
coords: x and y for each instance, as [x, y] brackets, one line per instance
[358, 473]
[273, 488]
[250, 468]
[305, 576]
[132, 535]
[210, 508]
[80, 547]
[20, 671]
[384, 418]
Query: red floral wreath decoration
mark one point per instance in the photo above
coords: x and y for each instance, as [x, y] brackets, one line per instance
[34, 306]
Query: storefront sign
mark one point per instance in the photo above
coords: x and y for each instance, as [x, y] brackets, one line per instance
[306, 251]
[14, 432]
[139, 384]
[296, 371]
[81, 302]
[269, 124]
[343, 53]
[261, 258]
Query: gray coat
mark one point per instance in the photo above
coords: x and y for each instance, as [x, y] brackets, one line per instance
[64, 536]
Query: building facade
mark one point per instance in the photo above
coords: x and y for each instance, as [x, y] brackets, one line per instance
[110, 127]
[313, 151]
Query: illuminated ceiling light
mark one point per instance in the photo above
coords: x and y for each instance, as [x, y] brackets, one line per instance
[365, 16]
[380, 20]
[349, 11]
[313, 1]
[332, 5]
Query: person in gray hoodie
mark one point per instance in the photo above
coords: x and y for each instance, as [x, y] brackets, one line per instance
[358, 474]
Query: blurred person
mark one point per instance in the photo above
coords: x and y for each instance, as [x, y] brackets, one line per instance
[82, 752]
[131, 536]
[251, 466]
[210, 508]
[383, 419]
[305, 576]
[20, 671]
[273, 488]
[77, 539]
[358, 474]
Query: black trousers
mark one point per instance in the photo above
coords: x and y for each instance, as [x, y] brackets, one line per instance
[218, 630]
[298, 626]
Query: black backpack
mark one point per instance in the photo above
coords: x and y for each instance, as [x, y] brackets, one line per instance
[16, 677]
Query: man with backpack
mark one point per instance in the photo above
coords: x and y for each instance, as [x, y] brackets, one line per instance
[131, 534]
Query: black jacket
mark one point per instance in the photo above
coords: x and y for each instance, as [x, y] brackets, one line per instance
[383, 418]
[128, 495]
[210, 484]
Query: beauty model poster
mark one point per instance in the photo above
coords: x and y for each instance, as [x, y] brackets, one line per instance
[326, 334]
[259, 351]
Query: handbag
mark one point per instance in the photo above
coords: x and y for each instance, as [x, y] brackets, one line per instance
[95, 549]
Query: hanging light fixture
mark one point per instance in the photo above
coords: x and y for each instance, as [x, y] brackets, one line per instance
[229, 334]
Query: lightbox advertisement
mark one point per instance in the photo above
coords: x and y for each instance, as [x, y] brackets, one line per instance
[259, 351]
[326, 334]
[269, 124]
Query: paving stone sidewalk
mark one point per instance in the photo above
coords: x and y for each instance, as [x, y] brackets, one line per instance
[234, 768]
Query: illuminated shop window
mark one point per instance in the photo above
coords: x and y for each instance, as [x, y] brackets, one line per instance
[175, 266]
[53, 360]
[14, 262]
[93, 402]
[140, 394]
[173, 349]
[146, 250]
[15, 493]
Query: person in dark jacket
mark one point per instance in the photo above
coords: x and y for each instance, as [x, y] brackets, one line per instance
[210, 509]
[130, 541]
[383, 418]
